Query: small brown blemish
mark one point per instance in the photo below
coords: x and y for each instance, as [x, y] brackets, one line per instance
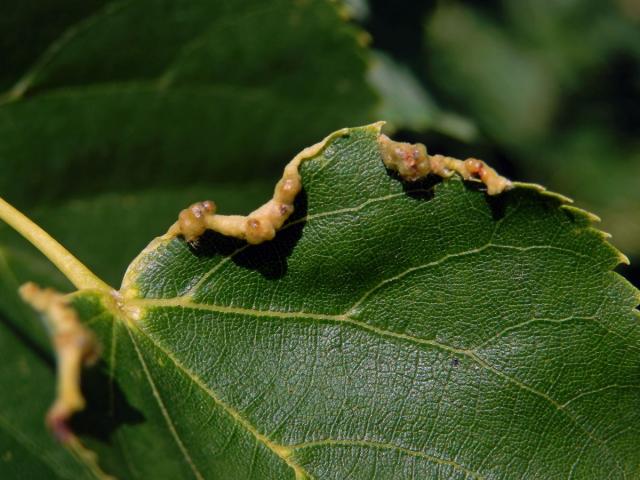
[284, 209]
[258, 231]
[412, 162]
[253, 224]
[289, 186]
[209, 206]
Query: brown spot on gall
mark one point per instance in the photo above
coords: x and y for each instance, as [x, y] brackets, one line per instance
[413, 163]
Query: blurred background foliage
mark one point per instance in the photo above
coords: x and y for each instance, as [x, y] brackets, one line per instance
[116, 114]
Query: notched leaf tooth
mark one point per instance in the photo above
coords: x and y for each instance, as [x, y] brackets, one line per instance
[75, 346]
[412, 162]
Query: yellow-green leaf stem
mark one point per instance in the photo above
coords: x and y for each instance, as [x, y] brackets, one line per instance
[70, 266]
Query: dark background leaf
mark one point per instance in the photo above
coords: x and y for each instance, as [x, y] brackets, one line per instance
[142, 93]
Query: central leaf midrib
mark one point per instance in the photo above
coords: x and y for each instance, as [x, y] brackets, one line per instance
[281, 451]
[285, 452]
[186, 302]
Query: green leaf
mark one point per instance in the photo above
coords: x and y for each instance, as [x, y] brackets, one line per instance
[389, 331]
[198, 78]
[91, 228]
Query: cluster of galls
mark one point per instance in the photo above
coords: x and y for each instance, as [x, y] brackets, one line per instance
[257, 227]
[412, 163]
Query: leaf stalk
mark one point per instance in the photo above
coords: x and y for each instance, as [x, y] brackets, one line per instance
[72, 268]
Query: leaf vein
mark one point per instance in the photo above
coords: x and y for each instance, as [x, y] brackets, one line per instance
[164, 411]
[451, 256]
[387, 446]
[281, 451]
[181, 303]
[598, 390]
[198, 285]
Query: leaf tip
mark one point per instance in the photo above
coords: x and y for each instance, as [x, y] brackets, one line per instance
[624, 260]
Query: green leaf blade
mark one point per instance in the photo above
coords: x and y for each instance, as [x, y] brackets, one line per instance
[409, 333]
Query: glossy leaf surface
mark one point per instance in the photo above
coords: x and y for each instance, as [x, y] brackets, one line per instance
[389, 331]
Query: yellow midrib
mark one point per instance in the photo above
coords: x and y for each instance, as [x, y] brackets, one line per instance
[83, 279]
[121, 309]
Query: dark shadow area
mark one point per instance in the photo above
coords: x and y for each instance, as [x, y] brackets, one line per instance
[498, 206]
[421, 189]
[631, 272]
[268, 258]
[621, 70]
[398, 27]
[212, 244]
[107, 407]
